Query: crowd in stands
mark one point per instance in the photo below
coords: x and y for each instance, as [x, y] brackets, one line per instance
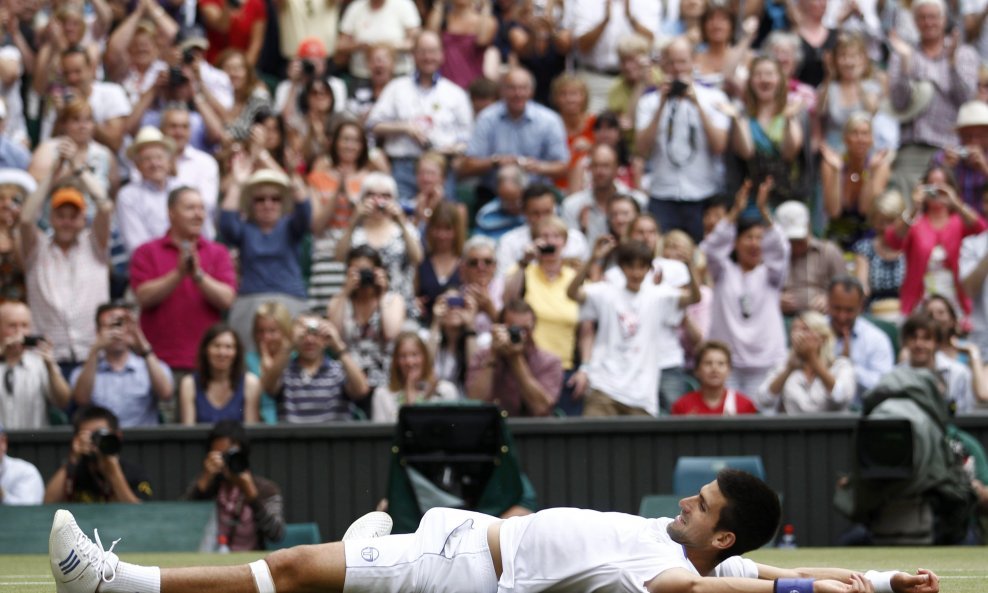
[302, 212]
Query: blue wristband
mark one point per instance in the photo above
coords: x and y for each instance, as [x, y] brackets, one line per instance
[793, 585]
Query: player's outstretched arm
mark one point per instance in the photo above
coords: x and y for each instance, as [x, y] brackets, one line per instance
[924, 581]
[680, 580]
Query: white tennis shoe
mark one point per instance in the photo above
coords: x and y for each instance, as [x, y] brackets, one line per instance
[373, 524]
[78, 564]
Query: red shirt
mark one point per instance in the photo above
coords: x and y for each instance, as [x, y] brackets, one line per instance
[918, 245]
[692, 404]
[241, 22]
[175, 325]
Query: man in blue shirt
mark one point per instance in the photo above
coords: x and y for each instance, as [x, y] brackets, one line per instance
[121, 372]
[516, 131]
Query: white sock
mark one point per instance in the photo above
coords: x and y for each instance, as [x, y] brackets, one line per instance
[132, 578]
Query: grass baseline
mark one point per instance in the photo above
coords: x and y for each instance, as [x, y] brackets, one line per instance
[961, 569]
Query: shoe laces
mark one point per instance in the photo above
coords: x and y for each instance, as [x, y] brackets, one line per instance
[96, 555]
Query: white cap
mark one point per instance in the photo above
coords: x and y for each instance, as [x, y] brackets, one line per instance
[794, 218]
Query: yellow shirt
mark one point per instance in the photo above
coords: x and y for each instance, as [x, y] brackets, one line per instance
[556, 314]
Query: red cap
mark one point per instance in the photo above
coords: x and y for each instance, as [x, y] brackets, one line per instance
[311, 47]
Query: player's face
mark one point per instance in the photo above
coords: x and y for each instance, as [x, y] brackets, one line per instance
[698, 517]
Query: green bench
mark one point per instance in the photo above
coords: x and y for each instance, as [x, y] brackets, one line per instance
[148, 527]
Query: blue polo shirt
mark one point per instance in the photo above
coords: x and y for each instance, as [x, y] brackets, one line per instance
[538, 134]
[127, 392]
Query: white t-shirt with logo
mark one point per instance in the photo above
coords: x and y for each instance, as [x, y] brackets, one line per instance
[626, 358]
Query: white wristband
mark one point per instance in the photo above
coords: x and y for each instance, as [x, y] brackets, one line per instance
[262, 576]
[881, 581]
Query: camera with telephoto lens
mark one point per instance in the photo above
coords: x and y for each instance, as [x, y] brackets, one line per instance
[677, 88]
[235, 459]
[514, 332]
[366, 277]
[106, 442]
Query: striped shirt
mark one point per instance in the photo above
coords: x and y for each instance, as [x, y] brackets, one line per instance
[313, 399]
[64, 288]
[24, 396]
[953, 85]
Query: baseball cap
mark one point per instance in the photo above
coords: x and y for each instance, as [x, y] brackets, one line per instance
[311, 47]
[68, 195]
[794, 218]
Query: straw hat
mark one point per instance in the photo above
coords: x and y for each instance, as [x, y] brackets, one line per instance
[147, 136]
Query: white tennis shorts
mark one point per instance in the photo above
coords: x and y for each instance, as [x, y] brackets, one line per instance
[448, 553]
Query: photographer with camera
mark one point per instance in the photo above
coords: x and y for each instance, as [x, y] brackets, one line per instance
[122, 372]
[249, 508]
[310, 387]
[527, 378]
[94, 471]
[681, 130]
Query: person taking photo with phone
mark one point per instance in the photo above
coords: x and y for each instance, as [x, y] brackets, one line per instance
[30, 377]
[121, 372]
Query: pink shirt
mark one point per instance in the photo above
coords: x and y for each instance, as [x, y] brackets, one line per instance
[917, 246]
[175, 325]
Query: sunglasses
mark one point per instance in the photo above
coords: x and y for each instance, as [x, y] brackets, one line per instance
[474, 262]
[269, 198]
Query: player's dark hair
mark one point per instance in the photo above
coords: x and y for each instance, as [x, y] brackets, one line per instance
[752, 511]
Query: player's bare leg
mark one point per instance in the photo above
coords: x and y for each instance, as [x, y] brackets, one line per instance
[80, 565]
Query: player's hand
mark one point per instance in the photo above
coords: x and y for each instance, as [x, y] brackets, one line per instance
[924, 581]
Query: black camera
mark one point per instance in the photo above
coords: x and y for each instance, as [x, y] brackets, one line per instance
[236, 460]
[677, 88]
[188, 56]
[514, 332]
[308, 69]
[107, 442]
[176, 77]
[366, 277]
[547, 249]
[32, 340]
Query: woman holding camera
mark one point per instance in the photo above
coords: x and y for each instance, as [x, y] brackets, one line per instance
[221, 388]
[266, 220]
[929, 233]
[380, 224]
[541, 280]
[367, 314]
[412, 380]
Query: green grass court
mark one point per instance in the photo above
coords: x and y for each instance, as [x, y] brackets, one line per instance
[961, 569]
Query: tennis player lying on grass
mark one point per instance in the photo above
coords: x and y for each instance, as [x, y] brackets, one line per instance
[556, 550]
